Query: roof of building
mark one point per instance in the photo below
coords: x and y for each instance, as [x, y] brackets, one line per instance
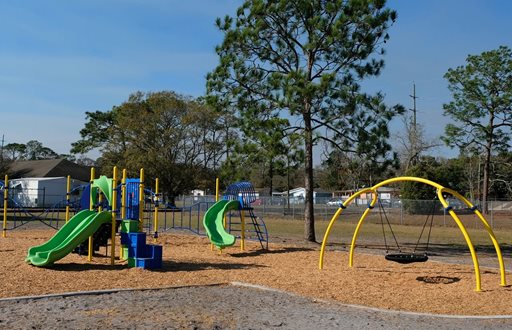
[49, 168]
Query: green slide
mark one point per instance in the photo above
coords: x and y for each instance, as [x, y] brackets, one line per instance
[213, 222]
[77, 230]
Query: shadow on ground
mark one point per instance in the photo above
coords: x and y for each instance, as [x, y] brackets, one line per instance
[273, 251]
[171, 266]
[167, 266]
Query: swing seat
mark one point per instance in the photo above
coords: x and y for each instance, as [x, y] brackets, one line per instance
[406, 258]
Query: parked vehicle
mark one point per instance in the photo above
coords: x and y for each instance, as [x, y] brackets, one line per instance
[335, 202]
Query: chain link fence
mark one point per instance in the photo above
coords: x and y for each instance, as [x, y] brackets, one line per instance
[403, 212]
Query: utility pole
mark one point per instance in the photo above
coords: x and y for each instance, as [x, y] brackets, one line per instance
[414, 126]
[414, 97]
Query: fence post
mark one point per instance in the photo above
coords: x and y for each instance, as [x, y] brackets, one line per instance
[492, 215]
[401, 213]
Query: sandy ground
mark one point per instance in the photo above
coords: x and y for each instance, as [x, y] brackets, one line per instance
[432, 287]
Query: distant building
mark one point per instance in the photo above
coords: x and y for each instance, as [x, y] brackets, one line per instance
[40, 192]
[385, 194]
[297, 195]
[197, 192]
[48, 168]
[43, 183]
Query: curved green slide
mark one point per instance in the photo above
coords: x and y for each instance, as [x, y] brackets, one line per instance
[213, 222]
[75, 231]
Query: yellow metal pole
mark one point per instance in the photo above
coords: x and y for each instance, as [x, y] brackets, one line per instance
[216, 200]
[114, 209]
[326, 236]
[225, 217]
[91, 207]
[123, 206]
[333, 220]
[487, 228]
[6, 198]
[155, 237]
[123, 195]
[466, 237]
[68, 197]
[217, 189]
[496, 247]
[356, 232]
[100, 200]
[141, 199]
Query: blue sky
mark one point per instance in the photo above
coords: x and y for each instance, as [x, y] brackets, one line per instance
[59, 59]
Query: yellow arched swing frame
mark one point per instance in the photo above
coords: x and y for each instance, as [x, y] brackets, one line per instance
[440, 191]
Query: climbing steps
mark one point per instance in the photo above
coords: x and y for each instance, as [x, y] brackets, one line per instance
[136, 250]
[255, 227]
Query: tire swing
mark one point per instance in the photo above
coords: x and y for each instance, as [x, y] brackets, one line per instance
[401, 256]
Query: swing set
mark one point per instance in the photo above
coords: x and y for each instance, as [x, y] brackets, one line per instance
[411, 257]
[401, 256]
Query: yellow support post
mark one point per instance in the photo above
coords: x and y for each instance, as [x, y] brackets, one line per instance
[141, 199]
[333, 220]
[6, 198]
[216, 200]
[155, 237]
[68, 197]
[123, 206]
[487, 228]
[123, 195]
[358, 227]
[100, 200]
[217, 189]
[91, 207]
[114, 209]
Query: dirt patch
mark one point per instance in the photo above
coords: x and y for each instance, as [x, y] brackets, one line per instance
[432, 287]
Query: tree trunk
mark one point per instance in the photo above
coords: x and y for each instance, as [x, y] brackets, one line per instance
[288, 183]
[309, 214]
[271, 177]
[485, 188]
[487, 166]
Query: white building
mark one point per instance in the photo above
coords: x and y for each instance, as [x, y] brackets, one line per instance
[297, 195]
[197, 192]
[40, 192]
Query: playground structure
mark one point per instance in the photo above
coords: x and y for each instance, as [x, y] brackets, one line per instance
[156, 214]
[411, 257]
[79, 228]
[219, 223]
[144, 206]
[83, 225]
[16, 213]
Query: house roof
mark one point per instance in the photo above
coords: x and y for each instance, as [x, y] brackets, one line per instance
[49, 168]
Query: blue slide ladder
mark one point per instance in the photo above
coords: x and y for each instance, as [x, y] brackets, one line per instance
[244, 192]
